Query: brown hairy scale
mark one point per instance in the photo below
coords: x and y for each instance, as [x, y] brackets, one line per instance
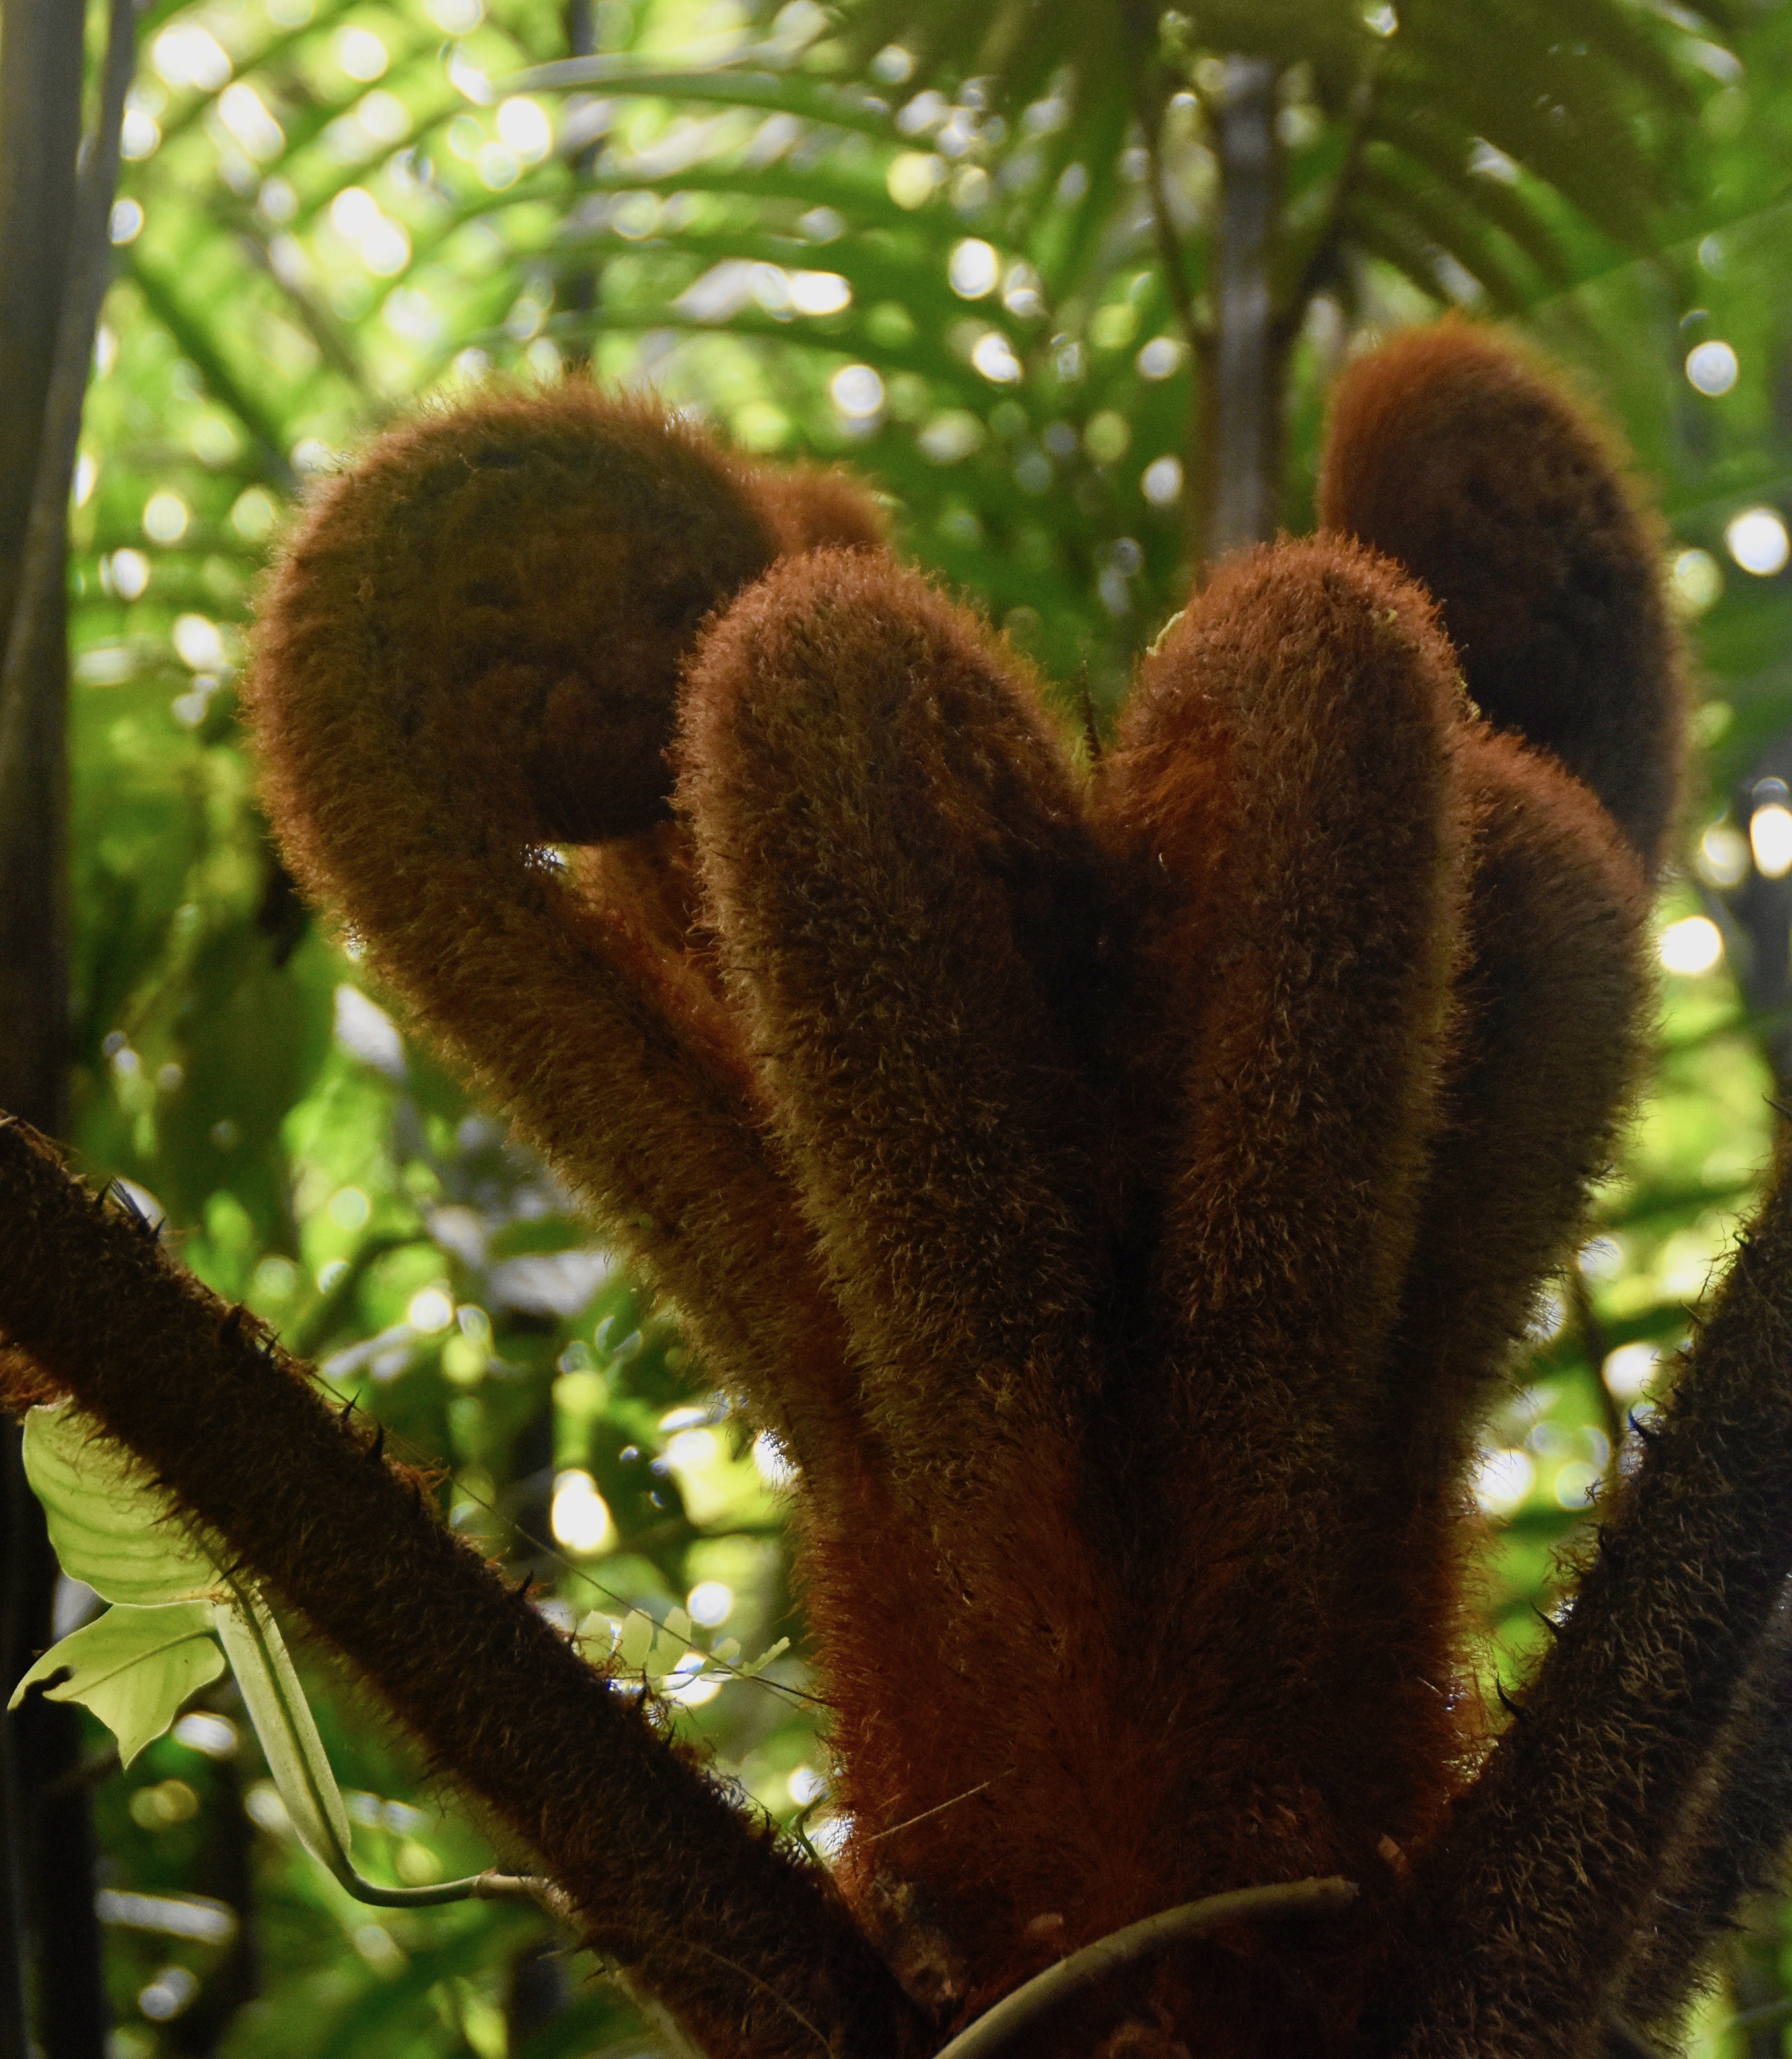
[1120, 1187]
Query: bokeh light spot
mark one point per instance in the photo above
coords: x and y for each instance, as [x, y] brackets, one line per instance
[1691, 946]
[429, 1310]
[1770, 840]
[1711, 368]
[973, 268]
[1757, 540]
[580, 1514]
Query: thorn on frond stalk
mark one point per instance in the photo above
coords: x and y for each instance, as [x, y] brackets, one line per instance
[1645, 1427]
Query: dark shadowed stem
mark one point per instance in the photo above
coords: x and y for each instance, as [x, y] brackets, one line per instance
[1018, 2014]
[48, 1859]
[40, 135]
[71, 2002]
[1151, 92]
[1242, 363]
[14, 1496]
[39, 594]
[1169, 244]
[578, 290]
[1150, 96]
[54, 251]
[223, 1868]
[1322, 263]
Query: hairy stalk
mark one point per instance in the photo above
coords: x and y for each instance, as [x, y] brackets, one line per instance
[1732, 1843]
[1521, 1918]
[666, 1876]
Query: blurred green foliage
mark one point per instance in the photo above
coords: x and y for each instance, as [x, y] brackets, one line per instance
[332, 208]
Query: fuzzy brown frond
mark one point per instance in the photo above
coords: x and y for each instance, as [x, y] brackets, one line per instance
[1549, 1000]
[1449, 452]
[1554, 985]
[1287, 776]
[1120, 1189]
[905, 892]
[480, 581]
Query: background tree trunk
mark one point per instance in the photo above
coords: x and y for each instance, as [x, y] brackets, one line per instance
[1241, 365]
[41, 52]
[53, 255]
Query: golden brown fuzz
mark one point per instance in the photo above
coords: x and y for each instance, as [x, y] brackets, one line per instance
[1449, 452]
[810, 510]
[893, 852]
[433, 609]
[1555, 988]
[1550, 997]
[538, 566]
[1287, 776]
[1121, 1190]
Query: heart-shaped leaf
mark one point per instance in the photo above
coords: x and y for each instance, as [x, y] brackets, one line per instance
[135, 1668]
[111, 1528]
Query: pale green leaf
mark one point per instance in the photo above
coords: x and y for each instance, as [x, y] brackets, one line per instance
[635, 1645]
[135, 1667]
[109, 1526]
[755, 1667]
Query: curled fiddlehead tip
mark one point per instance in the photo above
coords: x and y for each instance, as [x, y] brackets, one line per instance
[1454, 454]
